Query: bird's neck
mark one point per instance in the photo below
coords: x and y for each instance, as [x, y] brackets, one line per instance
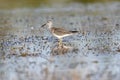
[50, 26]
[51, 30]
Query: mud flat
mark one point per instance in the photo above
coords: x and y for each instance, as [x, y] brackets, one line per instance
[26, 54]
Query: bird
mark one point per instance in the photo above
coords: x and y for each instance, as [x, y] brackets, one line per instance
[58, 32]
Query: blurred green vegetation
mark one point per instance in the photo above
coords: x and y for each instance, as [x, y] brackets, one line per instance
[93, 1]
[8, 4]
[11, 4]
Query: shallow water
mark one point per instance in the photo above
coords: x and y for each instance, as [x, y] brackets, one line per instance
[26, 54]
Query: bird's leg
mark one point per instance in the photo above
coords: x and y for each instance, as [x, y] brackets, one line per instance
[60, 42]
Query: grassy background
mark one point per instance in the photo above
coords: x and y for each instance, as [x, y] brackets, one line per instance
[93, 1]
[11, 4]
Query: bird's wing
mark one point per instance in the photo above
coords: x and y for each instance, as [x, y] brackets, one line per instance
[60, 31]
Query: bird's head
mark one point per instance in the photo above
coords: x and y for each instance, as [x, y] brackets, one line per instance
[48, 24]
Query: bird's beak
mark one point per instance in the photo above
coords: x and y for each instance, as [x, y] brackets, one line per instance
[43, 25]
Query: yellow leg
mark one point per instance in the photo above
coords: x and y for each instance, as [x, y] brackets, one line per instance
[60, 42]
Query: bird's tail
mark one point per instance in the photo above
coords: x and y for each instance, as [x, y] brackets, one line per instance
[74, 31]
